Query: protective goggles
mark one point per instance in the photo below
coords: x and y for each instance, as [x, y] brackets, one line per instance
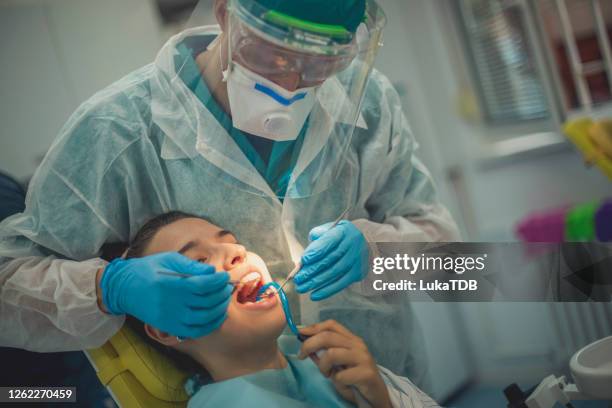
[266, 58]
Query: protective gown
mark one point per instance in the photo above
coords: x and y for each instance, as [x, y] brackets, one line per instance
[146, 145]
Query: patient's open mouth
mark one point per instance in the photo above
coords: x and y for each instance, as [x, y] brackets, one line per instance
[249, 288]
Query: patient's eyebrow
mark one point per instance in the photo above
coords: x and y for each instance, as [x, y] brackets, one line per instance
[188, 246]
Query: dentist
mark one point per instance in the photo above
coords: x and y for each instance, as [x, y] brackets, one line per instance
[271, 125]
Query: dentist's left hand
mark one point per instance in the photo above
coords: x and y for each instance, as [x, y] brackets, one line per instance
[186, 307]
[335, 259]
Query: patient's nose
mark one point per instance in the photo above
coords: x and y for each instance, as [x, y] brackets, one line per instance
[236, 254]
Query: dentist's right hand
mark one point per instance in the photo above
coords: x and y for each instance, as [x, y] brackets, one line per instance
[185, 307]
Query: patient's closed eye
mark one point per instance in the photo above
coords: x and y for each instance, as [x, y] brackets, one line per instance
[203, 260]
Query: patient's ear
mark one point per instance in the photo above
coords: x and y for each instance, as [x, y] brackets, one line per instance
[220, 10]
[160, 336]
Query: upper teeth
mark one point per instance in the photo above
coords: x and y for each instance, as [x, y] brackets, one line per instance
[250, 277]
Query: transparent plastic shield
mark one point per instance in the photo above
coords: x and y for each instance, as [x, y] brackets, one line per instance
[292, 66]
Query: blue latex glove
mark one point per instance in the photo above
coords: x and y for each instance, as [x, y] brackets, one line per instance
[335, 259]
[185, 307]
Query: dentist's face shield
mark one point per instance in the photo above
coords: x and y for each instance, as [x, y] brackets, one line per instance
[289, 79]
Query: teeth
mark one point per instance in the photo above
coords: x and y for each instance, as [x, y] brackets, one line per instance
[249, 285]
[250, 277]
[252, 286]
[266, 295]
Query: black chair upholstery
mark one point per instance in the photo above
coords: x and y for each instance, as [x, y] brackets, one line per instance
[12, 197]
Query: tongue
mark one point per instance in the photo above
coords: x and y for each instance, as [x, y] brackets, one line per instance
[248, 294]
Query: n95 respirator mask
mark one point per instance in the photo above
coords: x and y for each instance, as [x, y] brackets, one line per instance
[262, 108]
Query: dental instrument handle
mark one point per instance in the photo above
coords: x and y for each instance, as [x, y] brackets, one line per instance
[176, 274]
[233, 283]
[291, 275]
[341, 217]
[284, 303]
[360, 400]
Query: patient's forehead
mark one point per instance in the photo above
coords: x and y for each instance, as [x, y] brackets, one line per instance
[174, 236]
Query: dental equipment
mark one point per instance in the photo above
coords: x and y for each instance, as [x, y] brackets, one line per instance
[591, 368]
[359, 398]
[233, 283]
[298, 265]
[285, 303]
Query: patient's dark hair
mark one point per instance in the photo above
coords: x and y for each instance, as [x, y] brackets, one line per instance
[136, 249]
[145, 234]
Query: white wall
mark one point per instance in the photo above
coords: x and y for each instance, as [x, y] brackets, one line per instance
[511, 342]
[57, 53]
[449, 359]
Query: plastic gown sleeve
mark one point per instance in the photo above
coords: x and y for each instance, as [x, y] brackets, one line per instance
[50, 304]
[403, 393]
[78, 199]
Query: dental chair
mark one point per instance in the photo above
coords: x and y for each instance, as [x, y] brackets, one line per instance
[133, 372]
[584, 132]
[136, 375]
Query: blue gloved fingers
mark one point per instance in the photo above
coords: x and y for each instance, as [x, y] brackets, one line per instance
[203, 316]
[135, 287]
[194, 332]
[316, 232]
[307, 277]
[329, 275]
[206, 284]
[198, 302]
[333, 288]
[320, 248]
[181, 264]
[309, 272]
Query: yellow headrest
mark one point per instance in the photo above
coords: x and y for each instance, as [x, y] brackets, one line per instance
[583, 133]
[126, 355]
[601, 136]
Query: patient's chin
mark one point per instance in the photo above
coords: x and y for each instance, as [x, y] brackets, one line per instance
[249, 327]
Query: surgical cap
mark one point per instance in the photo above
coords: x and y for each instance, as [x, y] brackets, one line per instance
[346, 13]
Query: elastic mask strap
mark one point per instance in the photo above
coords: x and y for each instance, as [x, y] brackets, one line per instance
[227, 71]
[224, 72]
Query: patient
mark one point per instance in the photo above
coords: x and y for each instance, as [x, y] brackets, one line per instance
[241, 363]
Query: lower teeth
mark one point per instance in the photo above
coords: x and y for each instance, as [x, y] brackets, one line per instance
[265, 296]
